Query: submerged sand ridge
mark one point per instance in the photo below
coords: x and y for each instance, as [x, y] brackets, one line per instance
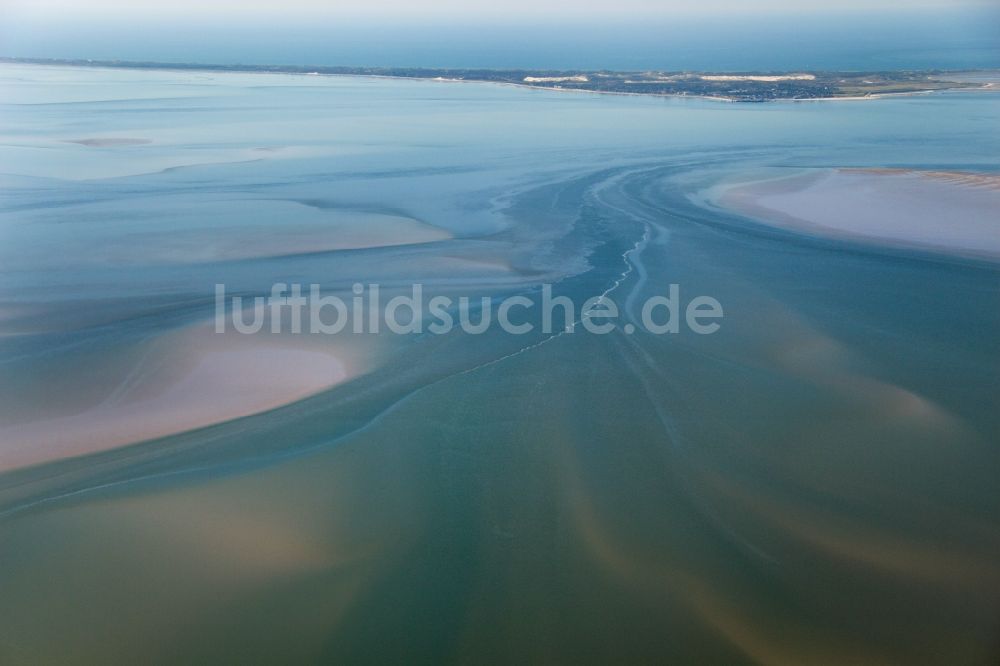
[109, 142]
[949, 212]
[814, 484]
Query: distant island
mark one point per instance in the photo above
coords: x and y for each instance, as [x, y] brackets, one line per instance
[728, 86]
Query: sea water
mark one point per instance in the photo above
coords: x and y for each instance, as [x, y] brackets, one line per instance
[814, 482]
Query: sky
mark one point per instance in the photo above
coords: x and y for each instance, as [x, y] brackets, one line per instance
[456, 9]
[669, 35]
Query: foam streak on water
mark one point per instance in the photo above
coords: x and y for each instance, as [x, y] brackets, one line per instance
[815, 483]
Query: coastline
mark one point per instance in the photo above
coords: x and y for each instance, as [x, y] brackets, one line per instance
[435, 75]
[662, 497]
[525, 86]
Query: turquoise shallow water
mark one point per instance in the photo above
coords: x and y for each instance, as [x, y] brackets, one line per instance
[816, 482]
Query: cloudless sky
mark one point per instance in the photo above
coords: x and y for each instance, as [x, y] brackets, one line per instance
[457, 8]
[718, 35]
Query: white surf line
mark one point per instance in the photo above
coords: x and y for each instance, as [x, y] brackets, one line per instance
[633, 256]
[640, 269]
[637, 247]
[629, 256]
[277, 456]
[572, 325]
[287, 455]
[377, 418]
[584, 314]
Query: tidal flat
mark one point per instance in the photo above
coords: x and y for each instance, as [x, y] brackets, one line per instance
[813, 483]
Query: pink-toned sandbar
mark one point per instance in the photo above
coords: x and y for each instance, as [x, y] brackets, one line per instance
[183, 380]
[944, 211]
